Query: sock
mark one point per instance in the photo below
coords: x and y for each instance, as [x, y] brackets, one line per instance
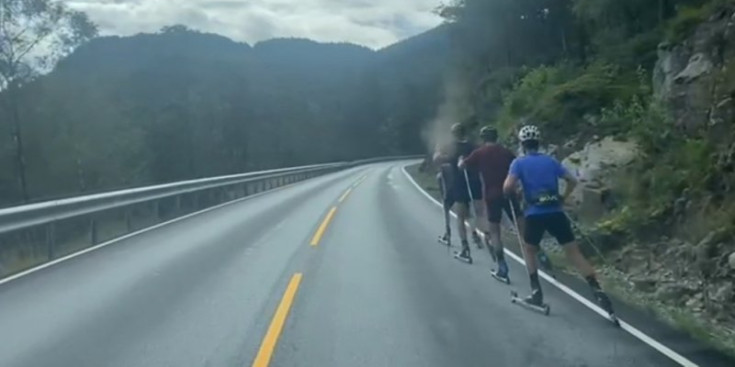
[534, 281]
[592, 281]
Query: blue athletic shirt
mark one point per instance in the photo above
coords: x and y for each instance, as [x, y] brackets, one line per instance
[538, 173]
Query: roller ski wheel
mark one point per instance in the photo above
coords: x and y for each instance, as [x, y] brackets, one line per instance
[444, 240]
[542, 308]
[503, 279]
[463, 257]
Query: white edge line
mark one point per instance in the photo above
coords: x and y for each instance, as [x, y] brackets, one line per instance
[678, 358]
[141, 231]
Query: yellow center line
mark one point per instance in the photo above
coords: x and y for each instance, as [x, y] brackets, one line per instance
[345, 195]
[363, 178]
[323, 227]
[279, 319]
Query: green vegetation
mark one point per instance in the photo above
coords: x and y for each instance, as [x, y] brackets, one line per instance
[559, 98]
[688, 17]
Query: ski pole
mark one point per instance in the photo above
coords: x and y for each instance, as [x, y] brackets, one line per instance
[585, 238]
[521, 243]
[472, 201]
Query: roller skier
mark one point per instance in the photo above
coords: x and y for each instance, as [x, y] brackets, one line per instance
[461, 189]
[443, 177]
[539, 176]
[493, 161]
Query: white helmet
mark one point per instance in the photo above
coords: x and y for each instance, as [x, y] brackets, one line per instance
[529, 132]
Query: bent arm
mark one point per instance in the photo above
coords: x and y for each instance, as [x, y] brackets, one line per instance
[510, 184]
[439, 156]
[571, 184]
[468, 162]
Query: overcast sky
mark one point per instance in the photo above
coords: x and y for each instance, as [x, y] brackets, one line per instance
[372, 23]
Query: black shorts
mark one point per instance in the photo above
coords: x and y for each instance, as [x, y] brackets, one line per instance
[461, 195]
[457, 193]
[557, 224]
[496, 207]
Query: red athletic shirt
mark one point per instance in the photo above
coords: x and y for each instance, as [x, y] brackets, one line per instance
[493, 162]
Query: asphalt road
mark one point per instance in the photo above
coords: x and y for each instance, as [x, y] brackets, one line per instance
[376, 290]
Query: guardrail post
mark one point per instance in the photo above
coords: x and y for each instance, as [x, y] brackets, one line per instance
[128, 221]
[51, 241]
[157, 209]
[93, 232]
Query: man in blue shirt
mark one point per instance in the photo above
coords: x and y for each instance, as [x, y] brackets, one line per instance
[539, 176]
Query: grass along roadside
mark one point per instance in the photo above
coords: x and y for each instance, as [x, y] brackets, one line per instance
[617, 284]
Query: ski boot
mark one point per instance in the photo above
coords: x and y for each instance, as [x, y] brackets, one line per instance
[501, 273]
[464, 255]
[476, 239]
[536, 298]
[534, 301]
[604, 302]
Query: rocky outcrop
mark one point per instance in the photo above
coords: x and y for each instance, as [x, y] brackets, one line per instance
[688, 77]
[596, 167]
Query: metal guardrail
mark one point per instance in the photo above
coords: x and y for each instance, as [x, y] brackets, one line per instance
[37, 233]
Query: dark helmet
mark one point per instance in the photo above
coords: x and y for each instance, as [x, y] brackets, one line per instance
[489, 133]
[459, 131]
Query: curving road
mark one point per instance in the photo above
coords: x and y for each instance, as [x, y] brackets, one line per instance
[270, 277]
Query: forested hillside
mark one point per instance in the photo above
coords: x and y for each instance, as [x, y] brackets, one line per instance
[180, 104]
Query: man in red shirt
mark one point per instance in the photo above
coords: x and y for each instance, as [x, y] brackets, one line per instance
[493, 162]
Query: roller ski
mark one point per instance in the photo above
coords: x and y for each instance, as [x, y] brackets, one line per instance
[464, 255]
[533, 302]
[501, 273]
[445, 240]
[604, 302]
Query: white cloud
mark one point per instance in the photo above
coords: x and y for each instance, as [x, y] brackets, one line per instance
[375, 24]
